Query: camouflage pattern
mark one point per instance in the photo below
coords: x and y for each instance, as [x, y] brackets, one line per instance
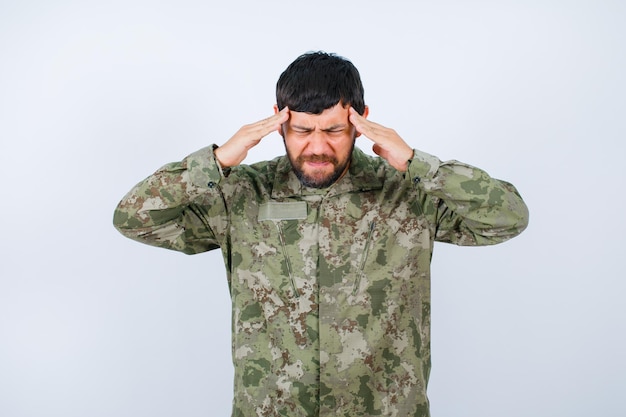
[330, 306]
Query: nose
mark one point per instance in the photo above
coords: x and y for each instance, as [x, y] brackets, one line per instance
[318, 143]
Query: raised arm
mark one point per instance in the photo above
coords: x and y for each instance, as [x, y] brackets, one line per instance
[181, 206]
[178, 207]
[470, 207]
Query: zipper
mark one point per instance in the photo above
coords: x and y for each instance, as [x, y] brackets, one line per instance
[361, 270]
[281, 237]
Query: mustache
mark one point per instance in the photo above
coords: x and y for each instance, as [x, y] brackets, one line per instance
[317, 158]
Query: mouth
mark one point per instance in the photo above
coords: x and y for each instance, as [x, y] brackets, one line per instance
[318, 161]
[318, 164]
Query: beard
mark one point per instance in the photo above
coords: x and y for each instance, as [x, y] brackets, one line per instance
[318, 178]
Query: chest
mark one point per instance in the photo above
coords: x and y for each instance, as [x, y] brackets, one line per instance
[301, 245]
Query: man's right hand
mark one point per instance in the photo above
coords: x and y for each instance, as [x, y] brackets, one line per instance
[236, 148]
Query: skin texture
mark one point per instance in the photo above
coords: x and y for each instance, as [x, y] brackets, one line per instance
[318, 145]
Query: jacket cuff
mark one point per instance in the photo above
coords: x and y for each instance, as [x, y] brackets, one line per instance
[423, 166]
[204, 170]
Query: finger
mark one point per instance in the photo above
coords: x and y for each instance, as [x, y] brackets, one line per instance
[266, 126]
[357, 121]
[276, 119]
[279, 118]
[364, 126]
[354, 117]
[374, 132]
[284, 115]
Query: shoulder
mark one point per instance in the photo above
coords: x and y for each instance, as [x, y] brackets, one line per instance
[255, 170]
[257, 176]
[373, 169]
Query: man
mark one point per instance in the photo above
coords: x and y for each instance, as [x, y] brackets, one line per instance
[327, 250]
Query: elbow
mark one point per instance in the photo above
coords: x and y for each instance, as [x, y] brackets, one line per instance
[119, 219]
[524, 220]
[512, 225]
[517, 214]
[127, 224]
[520, 217]
[506, 226]
[122, 220]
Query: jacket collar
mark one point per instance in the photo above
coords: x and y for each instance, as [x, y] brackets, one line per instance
[361, 176]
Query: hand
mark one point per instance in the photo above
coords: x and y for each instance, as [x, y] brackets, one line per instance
[236, 148]
[387, 143]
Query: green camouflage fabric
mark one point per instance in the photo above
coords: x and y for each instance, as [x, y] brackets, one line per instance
[330, 288]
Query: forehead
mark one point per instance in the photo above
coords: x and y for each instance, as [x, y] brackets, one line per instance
[333, 116]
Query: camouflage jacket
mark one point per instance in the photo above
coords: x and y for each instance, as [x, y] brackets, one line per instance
[330, 288]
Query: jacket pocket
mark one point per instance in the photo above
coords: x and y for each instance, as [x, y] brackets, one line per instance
[366, 249]
[283, 246]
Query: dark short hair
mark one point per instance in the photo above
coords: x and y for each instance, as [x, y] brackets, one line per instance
[317, 81]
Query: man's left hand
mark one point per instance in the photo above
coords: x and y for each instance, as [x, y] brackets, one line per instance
[387, 143]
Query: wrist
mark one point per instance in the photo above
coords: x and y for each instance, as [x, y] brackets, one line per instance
[224, 169]
[220, 158]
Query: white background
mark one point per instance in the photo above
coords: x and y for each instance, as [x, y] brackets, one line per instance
[95, 96]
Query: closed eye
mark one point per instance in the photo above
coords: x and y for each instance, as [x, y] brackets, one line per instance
[301, 130]
[336, 129]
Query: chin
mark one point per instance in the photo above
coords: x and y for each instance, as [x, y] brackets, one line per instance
[318, 181]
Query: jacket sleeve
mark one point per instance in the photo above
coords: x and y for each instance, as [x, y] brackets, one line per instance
[179, 207]
[469, 207]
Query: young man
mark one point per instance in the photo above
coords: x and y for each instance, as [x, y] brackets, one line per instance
[327, 250]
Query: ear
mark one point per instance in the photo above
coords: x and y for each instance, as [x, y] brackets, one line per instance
[280, 129]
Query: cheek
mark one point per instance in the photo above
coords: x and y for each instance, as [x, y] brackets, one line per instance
[344, 147]
[293, 146]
